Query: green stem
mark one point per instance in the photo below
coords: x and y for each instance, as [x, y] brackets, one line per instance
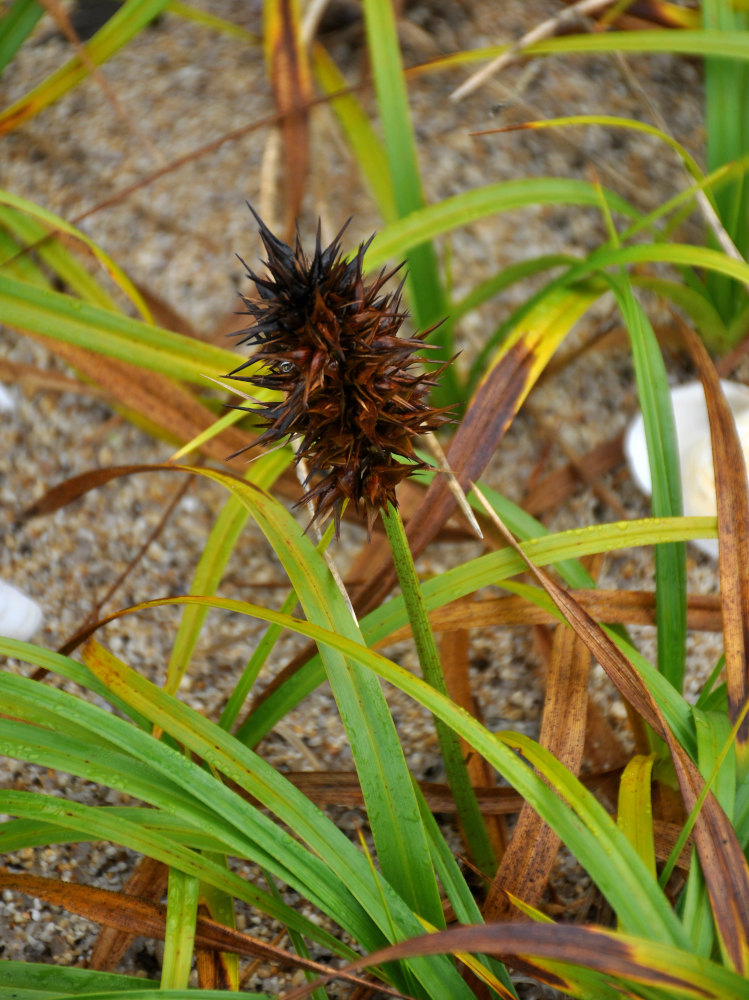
[179, 938]
[466, 803]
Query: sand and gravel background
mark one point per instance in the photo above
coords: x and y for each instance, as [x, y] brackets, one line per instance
[185, 85]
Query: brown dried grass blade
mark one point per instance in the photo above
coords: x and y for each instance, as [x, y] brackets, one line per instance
[492, 409]
[723, 863]
[155, 397]
[342, 788]
[31, 378]
[557, 486]
[455, 659]
[71, 489]
[525, 868]
[594, 948]
[733, 537]
[165, 315]
[212, 965]
[148, 881]
[291, 82]
[614, 607]
[143, 917]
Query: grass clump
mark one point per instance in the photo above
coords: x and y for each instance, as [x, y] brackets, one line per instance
[398, 913]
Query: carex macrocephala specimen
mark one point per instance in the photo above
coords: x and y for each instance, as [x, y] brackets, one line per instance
[354, 393]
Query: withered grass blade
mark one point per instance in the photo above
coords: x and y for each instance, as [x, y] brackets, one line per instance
[159, 399]
[213, 966]
[455, 650]
[342, 788]
[614, 607]
[291, 82]
[544, 950]
[556, 487]
[733, 538]
[144, 917]
[525, 868]
[148, 881]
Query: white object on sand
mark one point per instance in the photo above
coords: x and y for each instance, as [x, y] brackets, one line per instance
[7, 403]
[695, 450]
[20, 617]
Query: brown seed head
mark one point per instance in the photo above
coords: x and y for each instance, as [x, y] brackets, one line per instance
[354, 392]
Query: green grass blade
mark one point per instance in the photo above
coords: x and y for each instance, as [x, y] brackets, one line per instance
[713, 734]
[491, 569]
[216, 553]
[698, 42]
[597, 844]
[426, 294]
[391, 805]
[254, 666]
[213, 560]
[19, 833]
[220, 907]
[17, 264]
[696, 911]
[524, 527]
[683, 203]
[55, 255]
[198, 799]
[615, 121]
[456, 888]
[695, 304]
[460, 210]
[299, 945]
[113, 334]
[66, 750]
[546, 316]
[681, 255]
[55, 223]
[16, 25]
[713, 730]
[660, 434]
[131, 989]
[119, 29]
[218, 24]
[466, 804]
[346, 871]
[508, 276]
[99, 824]
[357, 128]
[179, 937]
[727, 113]
[55, 979]
[334, 876]
[635, 808]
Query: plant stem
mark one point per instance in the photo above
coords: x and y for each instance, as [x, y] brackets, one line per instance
[466, 803]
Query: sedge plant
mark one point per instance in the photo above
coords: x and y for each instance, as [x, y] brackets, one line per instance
[205, 798]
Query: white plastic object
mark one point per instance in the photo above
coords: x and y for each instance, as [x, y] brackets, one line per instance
[20, 617]
[695, 450]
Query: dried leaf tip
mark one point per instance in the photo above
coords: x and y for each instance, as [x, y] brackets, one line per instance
[354, 393]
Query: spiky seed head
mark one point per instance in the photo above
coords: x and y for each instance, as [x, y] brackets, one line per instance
[354, 392]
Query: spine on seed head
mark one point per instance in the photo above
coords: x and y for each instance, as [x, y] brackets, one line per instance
[354, 394]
